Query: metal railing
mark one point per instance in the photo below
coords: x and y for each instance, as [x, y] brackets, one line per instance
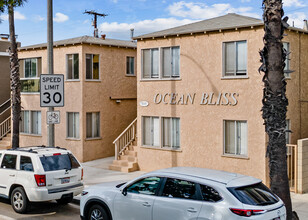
[5, 127]
[5, 106]
[125, 139]
[292, 166]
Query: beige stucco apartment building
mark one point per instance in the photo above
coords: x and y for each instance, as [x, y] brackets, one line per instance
[100, 94]
[200, 95]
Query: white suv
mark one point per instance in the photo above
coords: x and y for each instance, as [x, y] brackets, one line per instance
[36, 174]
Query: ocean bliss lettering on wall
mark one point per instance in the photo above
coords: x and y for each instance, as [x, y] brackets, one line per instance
[223, 98]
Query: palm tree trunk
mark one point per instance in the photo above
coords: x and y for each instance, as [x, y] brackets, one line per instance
[275, 101]
[15, 81]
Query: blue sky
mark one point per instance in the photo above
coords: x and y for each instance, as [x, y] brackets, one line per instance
[144, 16]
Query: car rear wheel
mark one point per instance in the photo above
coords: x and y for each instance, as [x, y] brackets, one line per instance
[19, 200]
[97, 212]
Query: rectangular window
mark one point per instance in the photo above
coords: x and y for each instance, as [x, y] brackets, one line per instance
[72, 64]
[31, 122]
[9, 161]
[171, 62]
[72, 125]
[130, 66]
[151, 131]
[235, 58]
[150, 63]
[92, 66]
[30, 71]
[171, 132]
[93, 125]
[286, 47]
[235, 137]
[26, 163]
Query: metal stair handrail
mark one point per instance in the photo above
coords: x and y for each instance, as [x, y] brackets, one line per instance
[5, 127]
[125, 139]
[3, 104]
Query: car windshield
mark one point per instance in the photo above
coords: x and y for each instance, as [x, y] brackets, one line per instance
[59, 162]
[257, 194]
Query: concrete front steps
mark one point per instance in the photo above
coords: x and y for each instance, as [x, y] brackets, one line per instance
[128, 162]
[5, 143]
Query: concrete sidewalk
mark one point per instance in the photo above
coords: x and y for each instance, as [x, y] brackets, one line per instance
[97, 172]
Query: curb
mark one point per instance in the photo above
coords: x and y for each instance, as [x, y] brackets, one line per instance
[76, 201]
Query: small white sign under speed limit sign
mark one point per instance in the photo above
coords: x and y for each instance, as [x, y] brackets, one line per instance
[52, 90]
[53, 117]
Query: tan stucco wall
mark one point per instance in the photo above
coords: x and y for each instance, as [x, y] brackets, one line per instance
[88, 96]
[5, 89]
[202, 125]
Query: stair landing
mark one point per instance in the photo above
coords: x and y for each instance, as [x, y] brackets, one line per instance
[5, 143]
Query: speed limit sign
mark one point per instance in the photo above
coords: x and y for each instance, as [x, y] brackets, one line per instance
[52, 90]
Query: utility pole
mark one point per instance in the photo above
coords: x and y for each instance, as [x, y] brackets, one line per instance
[92, 12]
[50, 127]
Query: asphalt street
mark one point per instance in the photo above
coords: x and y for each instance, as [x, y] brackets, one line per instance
[40, 211]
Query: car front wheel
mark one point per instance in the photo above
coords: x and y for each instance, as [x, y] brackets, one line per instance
[97, 212]
[19, 200]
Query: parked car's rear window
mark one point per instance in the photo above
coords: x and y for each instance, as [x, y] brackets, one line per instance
[257, 194]
[59, 162]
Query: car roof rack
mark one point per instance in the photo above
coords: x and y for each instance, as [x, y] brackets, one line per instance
[31, 150]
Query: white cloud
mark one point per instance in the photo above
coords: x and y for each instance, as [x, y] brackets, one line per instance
[142, 27]
[290, 3]
[297, 18]
[60, 17]
[115, 1]
[39, 18]
[17, 16]
[245, 0]
[203, 11]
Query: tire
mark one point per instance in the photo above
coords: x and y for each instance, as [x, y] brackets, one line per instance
[19, 200]
[65, 200]
[97, 212]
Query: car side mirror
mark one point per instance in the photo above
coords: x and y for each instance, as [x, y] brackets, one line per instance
[124, 191]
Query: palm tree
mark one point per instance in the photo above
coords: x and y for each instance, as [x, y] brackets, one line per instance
[15, 77]
[275, 102]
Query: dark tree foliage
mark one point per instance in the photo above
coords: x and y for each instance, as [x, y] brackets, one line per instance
[14, 64]
[274, 101]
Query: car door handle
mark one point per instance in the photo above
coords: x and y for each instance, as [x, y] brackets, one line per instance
[192, 210]
[12, 175]
[146, 204]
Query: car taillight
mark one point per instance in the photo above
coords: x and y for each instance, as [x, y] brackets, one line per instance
[56, 154]
[40, 180]
[81, 173]
[247, 212]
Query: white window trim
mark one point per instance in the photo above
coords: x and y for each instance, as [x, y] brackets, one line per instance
[246, 76]
[74, 125]
[30, 123]
[73, 79]
[171, 137]
[99, 66]
[235, 133]
[160, 64]
[287, 72]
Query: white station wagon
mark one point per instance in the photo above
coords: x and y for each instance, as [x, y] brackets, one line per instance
[37, 174]
[183, 193]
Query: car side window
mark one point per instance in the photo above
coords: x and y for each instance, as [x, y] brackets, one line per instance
[147, 186]
[9, 161]
[26, 163]
[176, 188]
[209, 194]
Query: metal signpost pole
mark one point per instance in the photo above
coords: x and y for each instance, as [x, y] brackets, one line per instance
[50, 127]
